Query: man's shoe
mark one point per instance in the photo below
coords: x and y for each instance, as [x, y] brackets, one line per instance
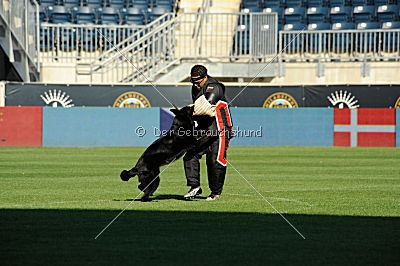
[193, 192]
[213, 197]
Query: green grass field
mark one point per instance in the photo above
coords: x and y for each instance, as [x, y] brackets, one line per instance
[346, 202]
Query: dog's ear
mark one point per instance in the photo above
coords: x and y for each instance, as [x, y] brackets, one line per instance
[174, 111]
[188, 110]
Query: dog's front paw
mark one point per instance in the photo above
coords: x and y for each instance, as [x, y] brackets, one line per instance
[125, 175]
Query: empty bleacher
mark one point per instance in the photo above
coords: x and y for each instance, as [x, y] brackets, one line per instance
[104, 12]
[301, 14]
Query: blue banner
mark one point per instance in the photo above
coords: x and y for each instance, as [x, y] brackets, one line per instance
[282, 127]
[96, 126]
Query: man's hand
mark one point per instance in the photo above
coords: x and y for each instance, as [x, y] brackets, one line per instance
[203, 107]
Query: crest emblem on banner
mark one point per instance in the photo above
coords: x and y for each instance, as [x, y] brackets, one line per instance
[56, 98]
[340, 99]
[397, 105]
[280, 100]
[132, 99]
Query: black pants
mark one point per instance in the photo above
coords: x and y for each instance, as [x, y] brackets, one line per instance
[215, 171]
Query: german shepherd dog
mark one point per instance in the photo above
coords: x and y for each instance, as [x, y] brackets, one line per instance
[163, 151]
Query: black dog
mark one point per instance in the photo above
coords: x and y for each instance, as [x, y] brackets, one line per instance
[163, 151]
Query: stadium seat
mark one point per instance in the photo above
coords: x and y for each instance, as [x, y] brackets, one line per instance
[108, 16]
[294, 26]
[317, 41]
[272, 3]
[317, 3]
[293, 3]
[294, 15]
[341, 14]
[47, 3]
[251, 9]
[381, 2]
[368, 25]
[71, 3]
[118, 4]
[342, 42]
[319, 26]
[251, 3]
[141, 4]
[343, 26]
[333, 3]
[388, 13]
[363, 13]
[391, 25]
[317, 14]
[94, 3]
[358, 2]
[132, 16]
[84, 15]
[59, 14]
[275, 9]
[156, 12]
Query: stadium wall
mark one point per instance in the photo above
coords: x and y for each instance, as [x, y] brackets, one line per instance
[239, 95]
[103, 126]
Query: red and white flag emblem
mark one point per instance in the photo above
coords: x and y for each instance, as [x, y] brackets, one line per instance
[365, 127]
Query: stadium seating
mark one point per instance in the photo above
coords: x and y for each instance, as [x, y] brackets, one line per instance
[276, 9]
[317, 14]
[272, 3]
[388, 13]
[364, 13]
[94, 3]
[59, 14]
[319, 26]
[293, 3]
[295, 26]
[341, 14]
[343, 26]
[108, 16]
[84, 15]
[294, 15]
[391, 25]
[156, 12]
[132, 16]
[118, 4]
[72, 3]
[368, 25]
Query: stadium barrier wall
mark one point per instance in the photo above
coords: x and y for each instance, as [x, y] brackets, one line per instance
[20, 126]
[282, 127]
[102, 126]
[141, 95]
[97, 126]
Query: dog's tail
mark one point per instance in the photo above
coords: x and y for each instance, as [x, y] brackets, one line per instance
[126, 175]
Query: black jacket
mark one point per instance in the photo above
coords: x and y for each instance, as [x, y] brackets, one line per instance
[213, 91]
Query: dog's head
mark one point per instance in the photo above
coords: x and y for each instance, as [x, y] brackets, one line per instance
[183, 118]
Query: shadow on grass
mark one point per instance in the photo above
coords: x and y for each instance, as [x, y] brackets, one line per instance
[61, 237]
[162, 197]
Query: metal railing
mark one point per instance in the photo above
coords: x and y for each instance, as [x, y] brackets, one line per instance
[231, 36]
[22, 18]
[87, 43]
[343, 45]
[137, 58]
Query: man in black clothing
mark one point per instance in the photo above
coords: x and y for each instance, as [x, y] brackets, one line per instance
[215, 118]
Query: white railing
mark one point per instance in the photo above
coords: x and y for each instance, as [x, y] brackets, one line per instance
[343, 45]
